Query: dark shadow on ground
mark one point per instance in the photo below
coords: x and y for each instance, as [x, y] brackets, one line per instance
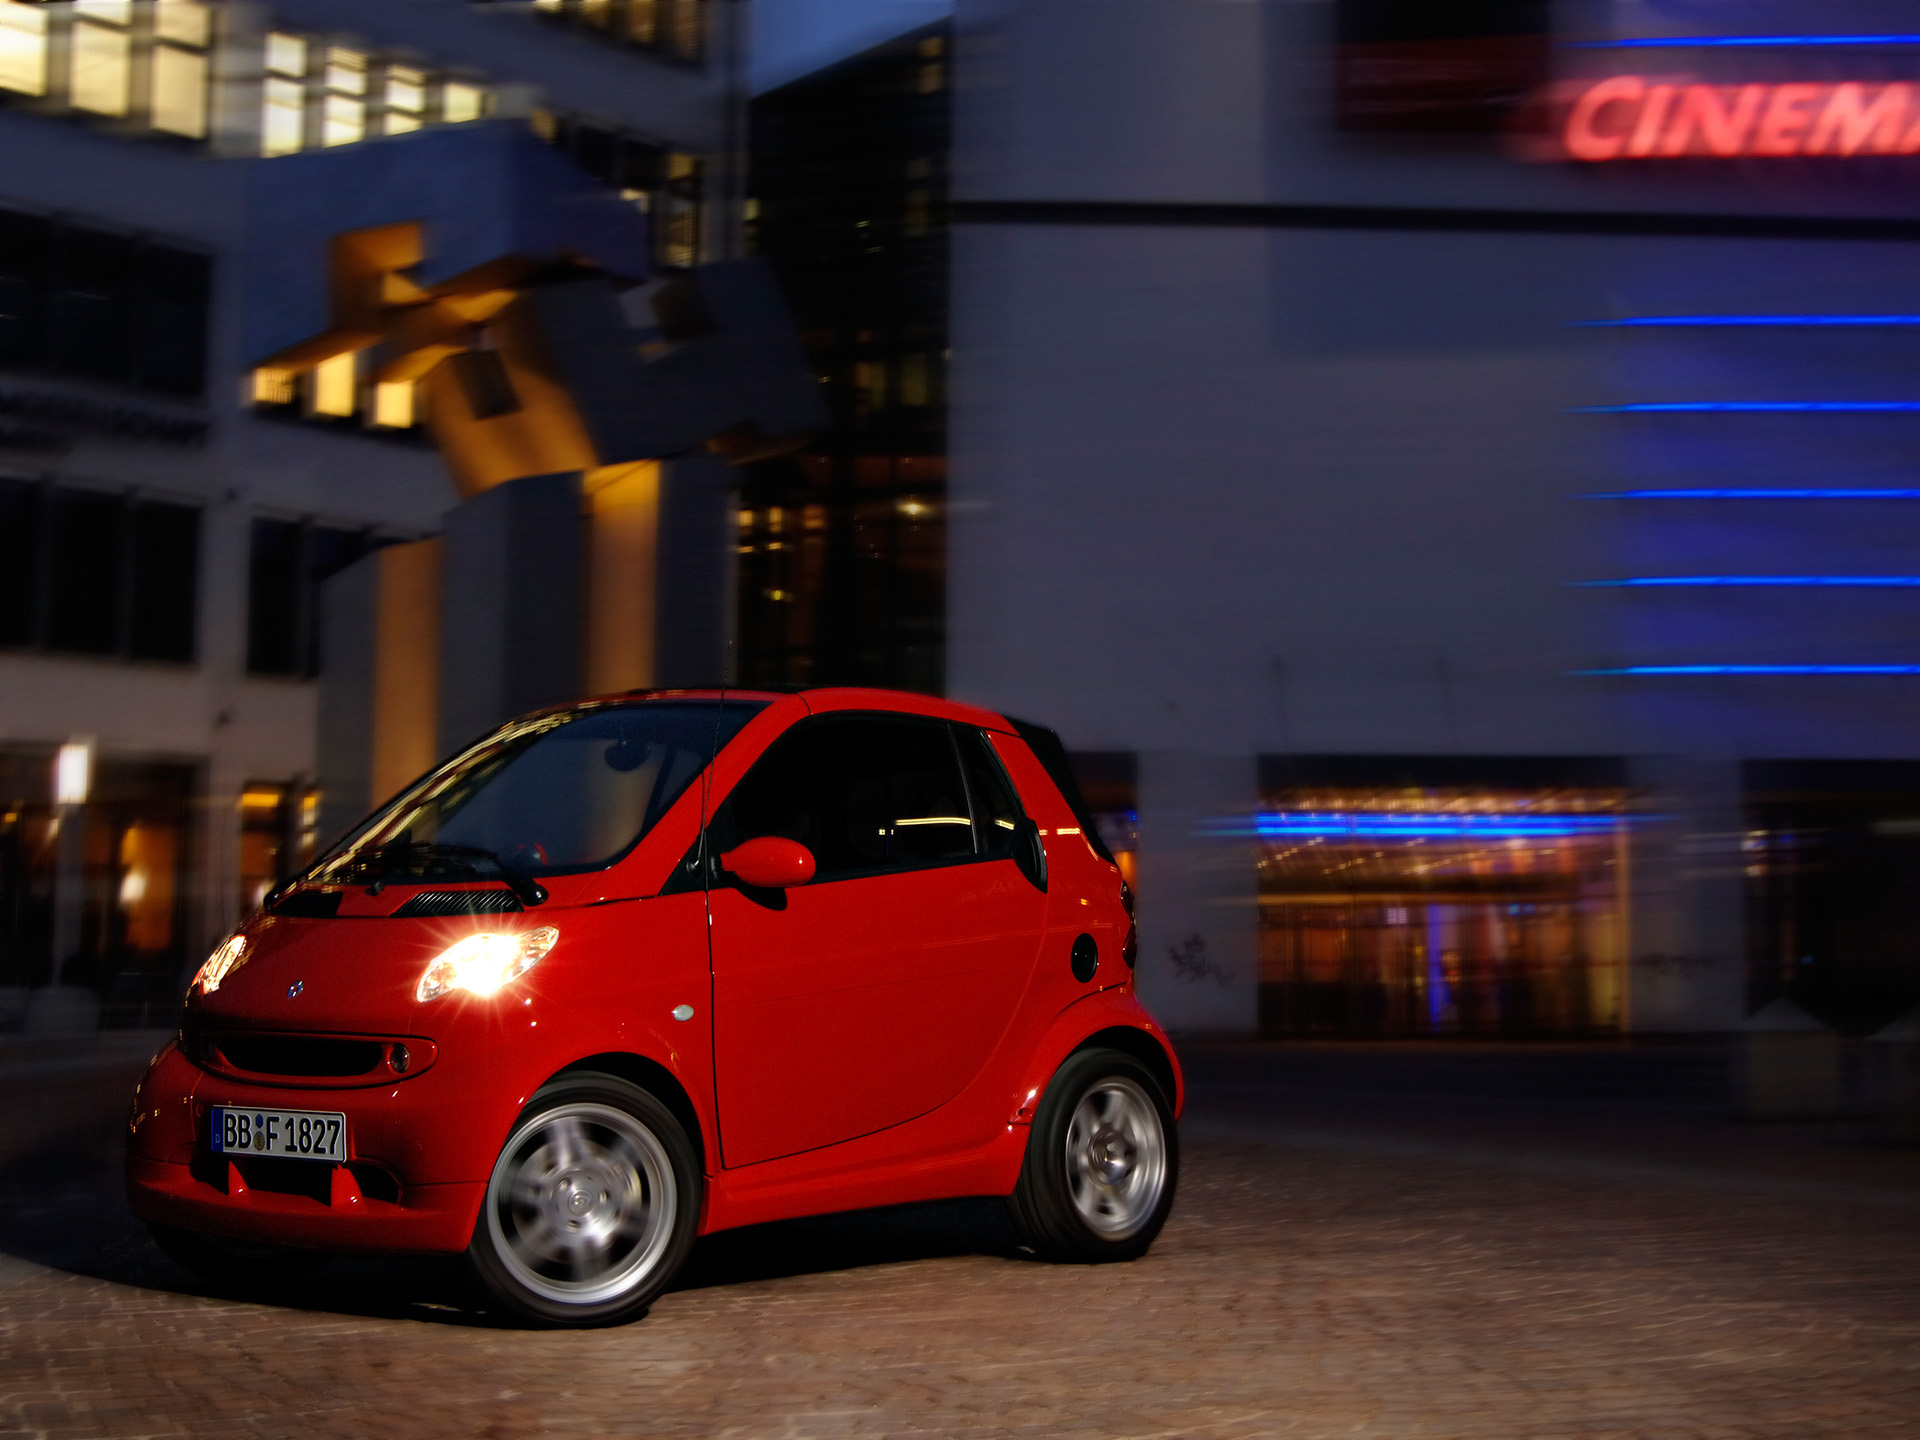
[850, 1241]
[62, 1206]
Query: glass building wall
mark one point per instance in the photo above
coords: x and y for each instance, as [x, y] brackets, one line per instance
[842, 548]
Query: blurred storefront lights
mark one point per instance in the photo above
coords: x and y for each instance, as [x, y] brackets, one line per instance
[1440, 911]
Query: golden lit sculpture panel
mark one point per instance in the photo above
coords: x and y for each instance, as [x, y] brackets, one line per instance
[536, 367]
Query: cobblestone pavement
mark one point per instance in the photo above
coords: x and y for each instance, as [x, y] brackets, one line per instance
[1370, 1241]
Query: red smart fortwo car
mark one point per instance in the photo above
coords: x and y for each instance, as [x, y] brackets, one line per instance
[633, 970]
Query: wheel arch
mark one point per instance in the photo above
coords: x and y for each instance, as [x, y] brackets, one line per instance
[657, 1080]
[1142, 1046]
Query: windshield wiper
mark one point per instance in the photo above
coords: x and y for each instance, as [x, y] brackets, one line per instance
[529, 891]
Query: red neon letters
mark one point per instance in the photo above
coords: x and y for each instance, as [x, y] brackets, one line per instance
[1631, 117]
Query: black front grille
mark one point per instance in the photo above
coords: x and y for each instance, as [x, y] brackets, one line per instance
[309, 905]
[300, 1055]
[460, 902]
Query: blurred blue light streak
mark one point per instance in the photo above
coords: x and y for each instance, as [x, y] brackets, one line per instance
[1756, 670]
[1422, 825]
[1730, 494]
[1753, 407]
[1696, 321]
[1688, 42]
[1844, 581]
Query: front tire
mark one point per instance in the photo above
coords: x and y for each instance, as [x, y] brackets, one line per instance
[1102, 1163]
[592, 1206]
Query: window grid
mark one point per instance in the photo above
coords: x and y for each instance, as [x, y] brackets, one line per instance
[672, 29]
[108, 573]
[149, 63]
[666, 185]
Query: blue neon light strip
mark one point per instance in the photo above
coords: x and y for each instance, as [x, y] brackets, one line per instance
[1696, 321]
[1420, 825]
[1905, 582]
[1678, 42]
[1755, 495]
[1754, 407]
[1757, 670]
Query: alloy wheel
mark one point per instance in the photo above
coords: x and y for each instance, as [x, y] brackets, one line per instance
[582, 1204]
[1116, 1155]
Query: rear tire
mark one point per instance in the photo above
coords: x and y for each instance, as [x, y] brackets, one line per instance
[1102, 1163]
[592, 1206]
[234, 1264]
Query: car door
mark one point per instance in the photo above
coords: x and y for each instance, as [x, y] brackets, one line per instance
[873, 994]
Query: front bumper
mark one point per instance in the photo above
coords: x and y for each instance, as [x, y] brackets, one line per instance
[426, 1217]
[417, 1152]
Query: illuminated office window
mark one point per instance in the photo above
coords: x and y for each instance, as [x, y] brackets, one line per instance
[393, 404]
[102, 56]
[343, 118]
[677, 28]
[406, 100]
[283, 115]
[346, 72]
[183, 22]
[336, 385]
[273, 387]
[23, 48]
[286, 55]
[689, 28]
[678, 213]
[914, 387]
[461, 103]
[179, 78]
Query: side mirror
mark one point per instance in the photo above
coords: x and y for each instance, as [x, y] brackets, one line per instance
[770, 862]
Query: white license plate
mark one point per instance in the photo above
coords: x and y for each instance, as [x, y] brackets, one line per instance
[288, 1134]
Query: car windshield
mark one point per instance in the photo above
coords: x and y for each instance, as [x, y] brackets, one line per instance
[550, 795]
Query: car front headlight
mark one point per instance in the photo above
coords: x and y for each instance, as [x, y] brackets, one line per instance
[222, 963]
[482, 964]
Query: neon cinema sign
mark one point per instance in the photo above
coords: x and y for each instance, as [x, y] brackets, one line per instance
[1633, 117]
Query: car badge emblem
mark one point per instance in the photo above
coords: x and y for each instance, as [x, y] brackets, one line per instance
[295, 988]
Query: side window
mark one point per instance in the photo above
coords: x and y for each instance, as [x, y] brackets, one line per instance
[864, 793]
[995, 811]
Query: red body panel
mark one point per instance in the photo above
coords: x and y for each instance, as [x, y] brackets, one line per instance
[876, 1041]
[886, 992]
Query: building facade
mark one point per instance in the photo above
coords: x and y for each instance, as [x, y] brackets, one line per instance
[172, 190]
[1454, 478]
